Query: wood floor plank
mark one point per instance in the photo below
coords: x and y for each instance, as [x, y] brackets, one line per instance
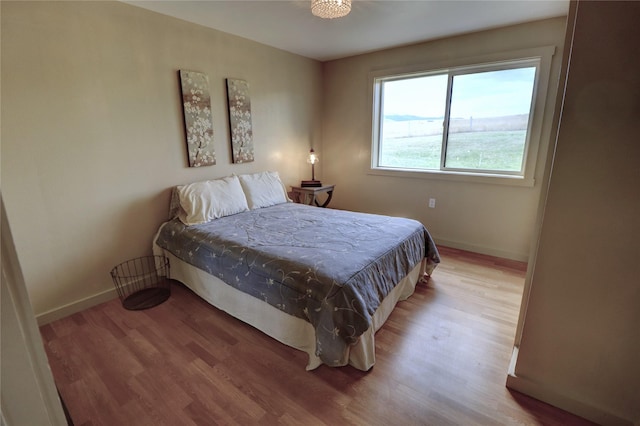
[441, 359]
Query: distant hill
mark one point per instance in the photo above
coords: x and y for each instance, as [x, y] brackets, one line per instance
[408, 117]
[397, 117]
[412, 125]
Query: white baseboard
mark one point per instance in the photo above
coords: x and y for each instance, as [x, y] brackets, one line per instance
[521, 257]
[77, 306]
[545, 394]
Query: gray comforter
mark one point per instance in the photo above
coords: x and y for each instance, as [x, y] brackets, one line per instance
[329, 267]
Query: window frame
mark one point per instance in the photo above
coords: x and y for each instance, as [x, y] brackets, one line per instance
[541, 58]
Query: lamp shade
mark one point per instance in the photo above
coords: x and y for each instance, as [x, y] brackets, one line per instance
[313, 157]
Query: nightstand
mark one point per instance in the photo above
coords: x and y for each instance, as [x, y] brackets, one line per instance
[308, 195]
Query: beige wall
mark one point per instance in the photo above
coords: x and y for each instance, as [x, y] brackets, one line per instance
[92, 131]
[489, 218]
[580, 346]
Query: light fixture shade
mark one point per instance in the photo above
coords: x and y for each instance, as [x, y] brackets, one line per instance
[330, 8]
[313, 157]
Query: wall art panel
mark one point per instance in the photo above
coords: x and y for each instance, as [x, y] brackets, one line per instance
[198, 122]
[240, 120]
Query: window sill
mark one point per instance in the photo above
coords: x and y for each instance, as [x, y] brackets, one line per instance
[451, 176]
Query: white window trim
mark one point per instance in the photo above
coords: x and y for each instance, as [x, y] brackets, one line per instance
[544, 54]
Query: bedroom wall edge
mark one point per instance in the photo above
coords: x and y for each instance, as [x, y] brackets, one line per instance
[74, 307]
[521, 257]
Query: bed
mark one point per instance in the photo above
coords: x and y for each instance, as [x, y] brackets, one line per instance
[320, 280]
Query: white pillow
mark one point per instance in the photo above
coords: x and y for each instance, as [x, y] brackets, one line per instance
[203, 202]
[263, 189]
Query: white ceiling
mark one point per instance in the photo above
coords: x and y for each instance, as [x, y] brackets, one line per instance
[371, 25]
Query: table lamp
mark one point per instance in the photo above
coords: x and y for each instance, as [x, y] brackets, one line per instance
[311, 159]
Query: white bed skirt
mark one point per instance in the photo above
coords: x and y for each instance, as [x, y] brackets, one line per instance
[286, 328]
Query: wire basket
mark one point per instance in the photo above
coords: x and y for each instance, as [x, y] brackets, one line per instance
[142, 283]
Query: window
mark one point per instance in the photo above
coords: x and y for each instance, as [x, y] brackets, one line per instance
[470, 120]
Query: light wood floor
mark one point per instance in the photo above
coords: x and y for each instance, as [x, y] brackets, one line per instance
[442, 359]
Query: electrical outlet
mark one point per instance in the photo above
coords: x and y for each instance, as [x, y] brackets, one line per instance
[432, 203]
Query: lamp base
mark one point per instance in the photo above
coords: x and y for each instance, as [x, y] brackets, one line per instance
[310, 183]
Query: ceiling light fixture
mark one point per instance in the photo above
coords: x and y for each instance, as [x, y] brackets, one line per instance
[330, 8]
